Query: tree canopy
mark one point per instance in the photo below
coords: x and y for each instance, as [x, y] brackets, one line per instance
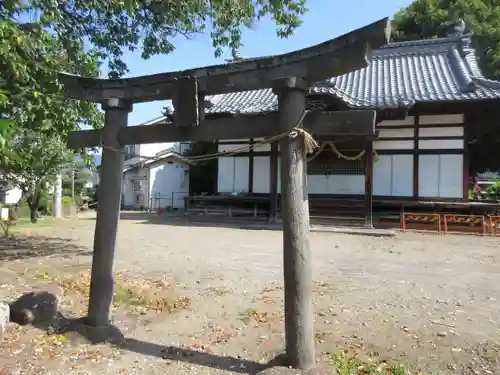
[35, 114]
[112, 26]
[40, 37]
[29, 60]
[429, 18]
[35, 159]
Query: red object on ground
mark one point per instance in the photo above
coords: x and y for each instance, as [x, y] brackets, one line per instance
[477, 188]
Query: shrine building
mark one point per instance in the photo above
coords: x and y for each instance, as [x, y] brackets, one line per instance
[431, 100]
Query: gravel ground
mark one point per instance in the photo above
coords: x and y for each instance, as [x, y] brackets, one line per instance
[426, 300]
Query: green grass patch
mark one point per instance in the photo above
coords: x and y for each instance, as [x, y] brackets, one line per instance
[25, 223]
[348, 363]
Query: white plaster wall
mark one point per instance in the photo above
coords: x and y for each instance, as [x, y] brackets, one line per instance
[232, 147]
[350, 184]
[128, 192]
[394, 145]
[317, 184]
[261, 174]
[402, 176]
[436, 144]
[456, 118]
[262, 147]
[440, 176]
[442, 131]
[393, 175]
[168, 185]
[233, 173]
[225, 175]
[397, 133]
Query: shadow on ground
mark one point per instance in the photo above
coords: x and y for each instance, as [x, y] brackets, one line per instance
[253, 223]
[113, 336]
[40, 309]
[180, 220]
[193, 356]
[22, 247]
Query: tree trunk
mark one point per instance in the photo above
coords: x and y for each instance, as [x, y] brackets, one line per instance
[33, 213]
[34, 204]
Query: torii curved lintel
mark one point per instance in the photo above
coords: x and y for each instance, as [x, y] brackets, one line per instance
[334, 57]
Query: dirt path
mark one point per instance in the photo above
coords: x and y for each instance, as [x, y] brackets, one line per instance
[426, 300]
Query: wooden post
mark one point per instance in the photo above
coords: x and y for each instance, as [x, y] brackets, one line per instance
[273, 188]
[295, 213]
[108, 213]
[250, 165]
[369, 185]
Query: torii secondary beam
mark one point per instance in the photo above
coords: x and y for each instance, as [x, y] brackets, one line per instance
[332, 58]
[359, 123]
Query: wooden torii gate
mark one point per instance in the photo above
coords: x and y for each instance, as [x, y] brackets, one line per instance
[289, 75]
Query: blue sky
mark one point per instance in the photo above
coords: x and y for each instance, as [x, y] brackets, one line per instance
[325, 20]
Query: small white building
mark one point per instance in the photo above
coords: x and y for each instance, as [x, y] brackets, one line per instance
[159, 183]
[10, 193]
[155, 176]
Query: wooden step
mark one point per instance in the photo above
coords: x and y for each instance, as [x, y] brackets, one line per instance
[336, 204]
[337, 212]
[338, 221]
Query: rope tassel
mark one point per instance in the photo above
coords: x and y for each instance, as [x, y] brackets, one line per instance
[310, 144]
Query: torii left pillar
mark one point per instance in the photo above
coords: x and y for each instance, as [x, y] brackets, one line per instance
[108, 213]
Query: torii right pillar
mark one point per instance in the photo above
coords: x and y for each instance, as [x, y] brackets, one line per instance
[297, 262]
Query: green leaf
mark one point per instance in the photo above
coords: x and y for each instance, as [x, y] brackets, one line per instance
[110, 27]
[129, 7]
[9, 4]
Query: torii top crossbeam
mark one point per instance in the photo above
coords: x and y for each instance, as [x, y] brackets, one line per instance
[334, 57]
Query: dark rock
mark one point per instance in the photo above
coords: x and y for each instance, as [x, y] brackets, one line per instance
[34, 307]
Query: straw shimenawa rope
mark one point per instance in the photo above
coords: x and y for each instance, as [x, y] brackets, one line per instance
[336, 151]
[310, 144]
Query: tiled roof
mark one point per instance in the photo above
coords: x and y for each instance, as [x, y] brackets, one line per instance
[399, 74]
